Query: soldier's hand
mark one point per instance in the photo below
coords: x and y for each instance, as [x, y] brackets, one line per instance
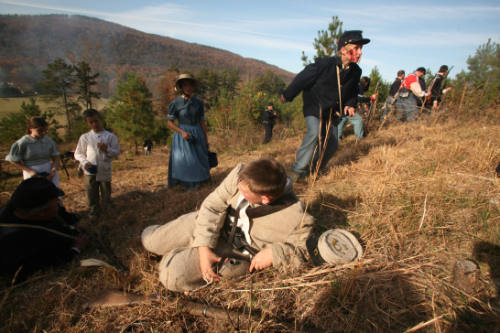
[263, 259]
[349, 111]
[282, 98]
[207, 260]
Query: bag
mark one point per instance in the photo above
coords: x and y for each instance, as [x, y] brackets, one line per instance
[212, 159]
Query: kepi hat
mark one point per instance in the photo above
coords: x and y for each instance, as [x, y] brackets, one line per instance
[34, 192]
[352, 37]
[334, 246]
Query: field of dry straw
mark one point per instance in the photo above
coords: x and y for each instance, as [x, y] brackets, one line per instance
[419, 196]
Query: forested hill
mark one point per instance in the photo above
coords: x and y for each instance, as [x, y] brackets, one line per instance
[29, 43]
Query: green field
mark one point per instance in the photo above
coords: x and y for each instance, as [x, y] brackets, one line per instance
[9, 105]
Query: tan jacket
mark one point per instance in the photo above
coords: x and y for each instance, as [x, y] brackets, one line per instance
[285, 231]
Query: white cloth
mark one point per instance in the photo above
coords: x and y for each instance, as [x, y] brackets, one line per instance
[44, 167]
[87, 151]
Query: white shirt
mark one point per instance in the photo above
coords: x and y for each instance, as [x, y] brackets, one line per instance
[243, 220]
[87, 151]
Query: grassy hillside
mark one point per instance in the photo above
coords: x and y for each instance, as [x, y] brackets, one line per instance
[420, 196]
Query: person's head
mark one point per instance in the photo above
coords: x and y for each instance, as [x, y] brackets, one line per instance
[261, 181]
[270, 106]
[350, 46]
[35, 198]
[37, 127]
[443, 69]
[401, 74]
[186, 84]
[365, 81]
[420, 71]
[93, 119]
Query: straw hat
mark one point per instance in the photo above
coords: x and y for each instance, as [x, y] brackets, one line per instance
[335, 246]
[185, 77]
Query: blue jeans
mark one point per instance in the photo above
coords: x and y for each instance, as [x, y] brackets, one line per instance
[310, 142]
[357, 123]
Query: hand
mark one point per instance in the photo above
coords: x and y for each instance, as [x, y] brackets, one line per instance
[282, 98]
[349, 111]
[31, 172]
[207, 260]
[263, 259]
[186, 135]
[52, 173]
[103, 147]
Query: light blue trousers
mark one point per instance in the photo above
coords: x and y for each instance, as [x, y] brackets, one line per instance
[309, 143]
[357, 123]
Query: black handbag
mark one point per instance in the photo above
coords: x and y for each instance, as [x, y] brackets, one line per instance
[212, 159]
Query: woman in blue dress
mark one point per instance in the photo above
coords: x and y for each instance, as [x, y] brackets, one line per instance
[188, 165]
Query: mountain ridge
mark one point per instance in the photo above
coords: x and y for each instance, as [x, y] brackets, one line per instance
[28, 43]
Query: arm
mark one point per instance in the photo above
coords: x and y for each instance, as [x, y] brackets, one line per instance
[416, 89]
[113, 150]
[306, 78]
[23, 167]
[210, 216]
[81, 152]
[185, 135]
[203, 125]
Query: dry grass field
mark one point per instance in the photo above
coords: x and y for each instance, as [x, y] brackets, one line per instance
[419, 196]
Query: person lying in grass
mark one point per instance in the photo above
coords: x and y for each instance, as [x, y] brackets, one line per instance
[251, 220]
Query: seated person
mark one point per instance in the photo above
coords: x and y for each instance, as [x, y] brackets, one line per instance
[32, 234]
[252, 215]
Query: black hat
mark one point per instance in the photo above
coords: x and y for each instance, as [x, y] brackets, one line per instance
[352, 37]
[34, 192]
[420, 69]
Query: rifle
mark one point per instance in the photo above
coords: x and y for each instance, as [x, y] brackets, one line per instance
[373, 105]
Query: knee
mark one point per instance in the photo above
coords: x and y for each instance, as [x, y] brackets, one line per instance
[147, 239]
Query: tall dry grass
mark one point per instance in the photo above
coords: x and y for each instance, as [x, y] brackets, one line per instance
[419, 196]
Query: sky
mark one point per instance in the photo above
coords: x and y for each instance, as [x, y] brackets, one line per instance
[404, 35]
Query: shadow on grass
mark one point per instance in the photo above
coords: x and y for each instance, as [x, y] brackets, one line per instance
[379, 301]
[352, 151]
[483, 316]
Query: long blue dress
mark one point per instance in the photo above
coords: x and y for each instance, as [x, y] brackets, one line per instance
[188, 164]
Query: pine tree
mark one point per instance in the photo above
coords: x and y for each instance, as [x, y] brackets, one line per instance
[58, 83]
[130, 111]
[86, 80]
[326, 42]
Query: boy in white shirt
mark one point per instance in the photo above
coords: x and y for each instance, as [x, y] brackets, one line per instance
[95, 151]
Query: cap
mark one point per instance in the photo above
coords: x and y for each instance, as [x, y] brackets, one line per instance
[352, 37]
[34, 192]
[185, 77]
[334, 246]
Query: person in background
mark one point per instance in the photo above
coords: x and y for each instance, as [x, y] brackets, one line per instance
[148, 145]
[94, 151]
[32, 234]
[252, 218]
[268, 117]
[319, 83]
[35, 153]
[410, 94]
[363, 106]
[393, 90]
[435, 89]
[188, 164]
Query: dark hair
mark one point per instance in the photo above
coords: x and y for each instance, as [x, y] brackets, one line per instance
[443, 68]
[264, 177]
[91, 113]
[36, 122]
[401, 72]
[365, 80]
[420, 69]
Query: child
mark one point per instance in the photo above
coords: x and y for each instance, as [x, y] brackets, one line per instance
[94, 151]
[252, 215]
